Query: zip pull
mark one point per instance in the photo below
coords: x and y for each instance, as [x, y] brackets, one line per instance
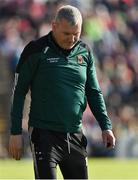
[68, 138]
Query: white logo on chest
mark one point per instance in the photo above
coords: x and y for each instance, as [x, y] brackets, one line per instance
[53, 59]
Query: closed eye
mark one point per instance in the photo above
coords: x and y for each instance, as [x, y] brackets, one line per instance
[68, 34]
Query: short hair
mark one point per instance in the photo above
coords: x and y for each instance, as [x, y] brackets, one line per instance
[69, 13]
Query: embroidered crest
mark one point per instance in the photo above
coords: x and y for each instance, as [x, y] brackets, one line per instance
[79, 59]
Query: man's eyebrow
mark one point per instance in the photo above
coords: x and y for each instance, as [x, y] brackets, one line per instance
[67, 33]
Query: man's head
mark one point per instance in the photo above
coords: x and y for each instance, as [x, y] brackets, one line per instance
[67, 26]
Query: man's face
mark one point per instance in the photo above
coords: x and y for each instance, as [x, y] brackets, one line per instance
[65, 34]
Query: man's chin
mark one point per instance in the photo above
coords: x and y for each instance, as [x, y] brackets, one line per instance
[68, 47]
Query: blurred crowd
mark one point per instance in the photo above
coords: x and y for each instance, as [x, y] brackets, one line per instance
[110, 27]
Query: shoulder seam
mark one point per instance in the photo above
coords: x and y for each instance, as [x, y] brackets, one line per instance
[31, 48]
[84, 45]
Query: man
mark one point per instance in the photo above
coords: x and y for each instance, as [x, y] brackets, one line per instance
[60, 73]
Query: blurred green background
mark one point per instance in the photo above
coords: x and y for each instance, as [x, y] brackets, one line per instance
[101, 168]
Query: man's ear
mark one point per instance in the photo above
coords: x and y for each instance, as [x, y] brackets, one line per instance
[54, 24]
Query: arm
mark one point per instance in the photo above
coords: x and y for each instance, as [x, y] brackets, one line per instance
[23, 78]
[97, 104]
[24, 74]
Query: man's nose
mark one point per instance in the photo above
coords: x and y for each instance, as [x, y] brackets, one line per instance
[72, 38]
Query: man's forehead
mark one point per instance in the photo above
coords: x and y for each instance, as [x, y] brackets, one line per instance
[71, 31]
[63, 21]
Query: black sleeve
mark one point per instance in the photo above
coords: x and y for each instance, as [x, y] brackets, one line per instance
[24, 73]
[27, 51]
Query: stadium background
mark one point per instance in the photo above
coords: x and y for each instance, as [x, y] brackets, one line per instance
[110, 28]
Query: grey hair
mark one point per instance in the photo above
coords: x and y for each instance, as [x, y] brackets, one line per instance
[69, 13]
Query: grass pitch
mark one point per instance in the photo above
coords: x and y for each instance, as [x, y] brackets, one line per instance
[98, 169]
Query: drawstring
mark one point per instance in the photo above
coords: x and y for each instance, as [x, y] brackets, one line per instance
[68, 138]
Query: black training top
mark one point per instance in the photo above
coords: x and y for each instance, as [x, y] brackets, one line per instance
[61, 82]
